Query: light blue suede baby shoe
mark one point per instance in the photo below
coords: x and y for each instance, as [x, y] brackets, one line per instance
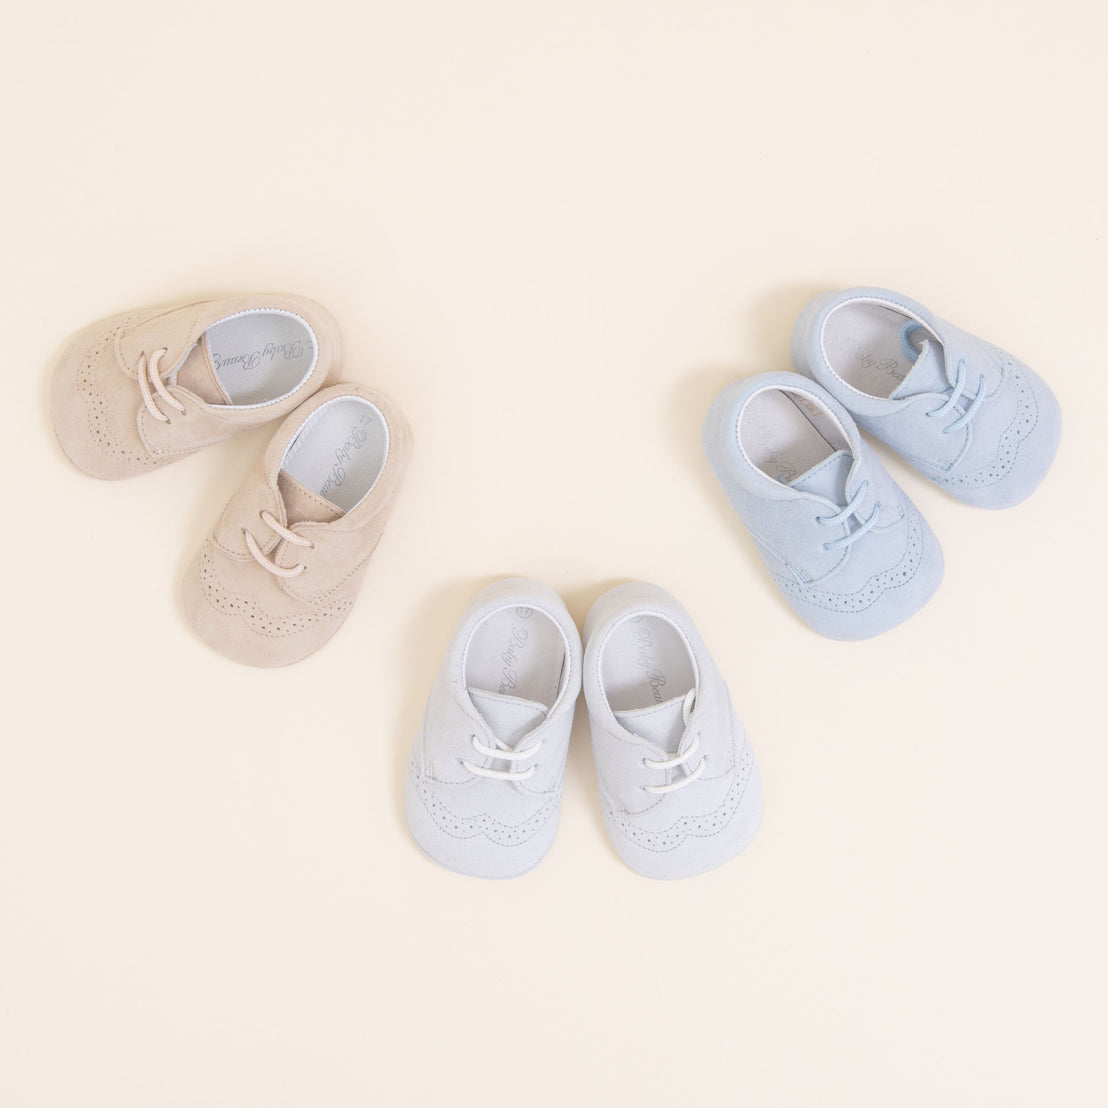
[841, 540]
[679, 786]
[484, 782]
[967, 415]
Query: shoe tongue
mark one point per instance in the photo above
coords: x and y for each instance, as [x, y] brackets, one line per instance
[301, 504]
[197, 374]
[928, 372]
[662, 724]
[510, 718]
[827, 478]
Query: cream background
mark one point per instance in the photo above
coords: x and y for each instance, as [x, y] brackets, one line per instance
[552, 232]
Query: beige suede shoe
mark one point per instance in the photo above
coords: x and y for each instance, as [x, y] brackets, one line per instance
[142, 389]
[281, 570]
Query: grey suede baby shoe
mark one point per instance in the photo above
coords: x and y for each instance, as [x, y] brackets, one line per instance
[484, 785]
[679, 787]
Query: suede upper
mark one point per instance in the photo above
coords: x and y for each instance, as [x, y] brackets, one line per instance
[848, 574]
[992, 452]
[463, 806]
[679, 787]
[257, 616]
[102, 421]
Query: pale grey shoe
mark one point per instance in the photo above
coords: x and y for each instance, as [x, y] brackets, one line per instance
[679, 787]
[484, 783]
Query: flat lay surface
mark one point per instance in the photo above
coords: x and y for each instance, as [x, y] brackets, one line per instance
[551, 235]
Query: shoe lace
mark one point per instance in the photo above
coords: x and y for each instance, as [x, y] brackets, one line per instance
[956, 393]
[506, 754]
[149, 373]
[845, 514]
[679, 759]
[289, 536]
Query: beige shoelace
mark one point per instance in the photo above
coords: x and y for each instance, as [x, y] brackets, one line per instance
[289, 536]
[148, 374]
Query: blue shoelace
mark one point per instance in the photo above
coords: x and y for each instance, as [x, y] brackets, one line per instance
[956, 391]
[845, 514]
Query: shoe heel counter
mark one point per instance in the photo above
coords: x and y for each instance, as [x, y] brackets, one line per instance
[803, 337]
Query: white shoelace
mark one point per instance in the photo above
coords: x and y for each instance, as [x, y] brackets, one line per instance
[679, 759]
[505, 753]
[148, 374]
[289, 536]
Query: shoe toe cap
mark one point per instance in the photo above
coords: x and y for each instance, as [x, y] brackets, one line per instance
[888, 597]
[92, 405]
[694, 843]
[1025, 449]
[245, 628]
[478, 845]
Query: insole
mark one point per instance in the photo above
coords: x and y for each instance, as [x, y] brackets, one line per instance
[645, 661]
[862, 345]
[340, 450]
[260, 355]
[517, 652]
[785, 433]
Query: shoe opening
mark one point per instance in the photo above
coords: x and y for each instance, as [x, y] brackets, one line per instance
[340, 451]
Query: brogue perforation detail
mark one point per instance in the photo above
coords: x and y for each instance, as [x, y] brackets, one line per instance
[702, 826]
[467, 827]
[875, 586]
[257, 618]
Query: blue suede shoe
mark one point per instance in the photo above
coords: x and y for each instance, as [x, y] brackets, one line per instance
[963, 412]
[841, 540]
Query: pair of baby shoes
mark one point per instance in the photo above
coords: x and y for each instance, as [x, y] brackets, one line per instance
[280, 571]
[843, 543]
[679, 787]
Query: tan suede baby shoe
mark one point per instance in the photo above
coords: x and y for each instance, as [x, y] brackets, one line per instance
[281, 570]
[142, 389]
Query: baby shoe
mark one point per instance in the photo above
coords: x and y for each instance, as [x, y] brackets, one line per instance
[484, 782]
[841, 540]
[142, 389]
[280, 572]
[679, 787]
[972, 418]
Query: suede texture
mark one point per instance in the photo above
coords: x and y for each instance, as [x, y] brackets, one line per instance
[999, 457]
[481, 826]
[99, 416]
[246, 612]
[854, 592]
[704, 824]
